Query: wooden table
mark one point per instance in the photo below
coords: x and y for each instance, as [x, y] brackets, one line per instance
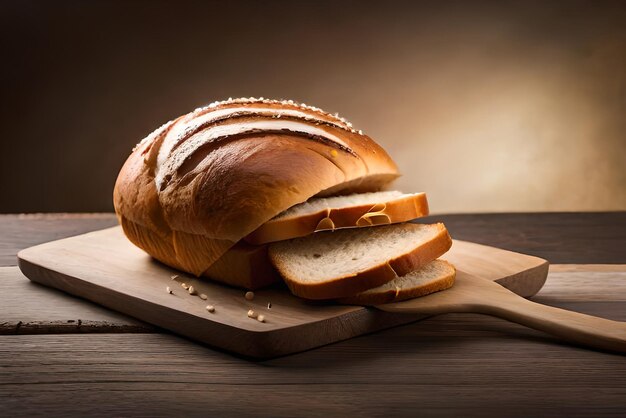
[63, 356]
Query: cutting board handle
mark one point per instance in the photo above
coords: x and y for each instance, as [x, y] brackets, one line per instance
[475, 295]
[571, 326]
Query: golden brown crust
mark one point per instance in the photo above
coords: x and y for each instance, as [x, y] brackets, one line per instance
[341, 286]
[230, 196]
[371, 298]
[345, 286]
[424, 254]
[201, 183]
[246, 266]
[150, 241]
[243, 265]
[403, 209]
[135, 197]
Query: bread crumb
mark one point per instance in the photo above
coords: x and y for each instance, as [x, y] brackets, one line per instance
[203, 296]
[252, 314]
[269, 305]
[185, 286]
[261, 318]
[174, 277]
[192, 291]
[210, 308]
[249, 295]
[169, 290]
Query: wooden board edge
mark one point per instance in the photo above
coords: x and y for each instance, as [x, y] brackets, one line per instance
[254, 345]
[523, 284]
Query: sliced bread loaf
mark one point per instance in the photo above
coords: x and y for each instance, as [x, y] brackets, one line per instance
[433, 277]
[329, 213]
[336, 264]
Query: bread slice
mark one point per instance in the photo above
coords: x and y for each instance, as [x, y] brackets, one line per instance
[433, 277]
[329, 213]
[336, 264]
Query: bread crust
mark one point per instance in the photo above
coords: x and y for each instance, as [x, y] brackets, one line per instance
[246, 266]
[396, 210]
[371, 298]
[348, 285]
[189, 192]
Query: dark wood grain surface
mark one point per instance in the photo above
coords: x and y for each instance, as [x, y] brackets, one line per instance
[22, 231]
[30, 308]
[581, 238]
[105, 364]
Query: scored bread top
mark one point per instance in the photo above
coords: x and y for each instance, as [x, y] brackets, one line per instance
[349, 211]
[334, 264]
[203, 181]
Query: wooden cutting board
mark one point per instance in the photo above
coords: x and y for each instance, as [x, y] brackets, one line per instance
[104, 267]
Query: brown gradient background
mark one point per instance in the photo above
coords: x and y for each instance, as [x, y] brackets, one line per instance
[487, 106]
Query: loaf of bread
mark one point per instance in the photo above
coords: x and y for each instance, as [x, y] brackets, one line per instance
[200, 183]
